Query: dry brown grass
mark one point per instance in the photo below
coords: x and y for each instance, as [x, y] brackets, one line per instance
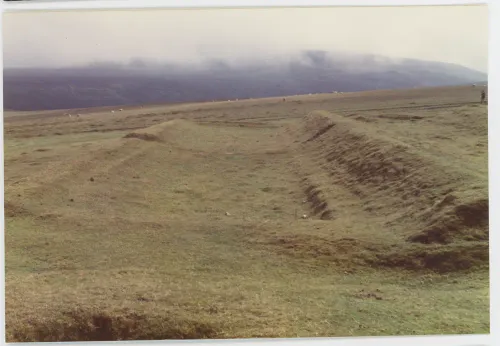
[79, 324]
[116, 224]
[395, 180]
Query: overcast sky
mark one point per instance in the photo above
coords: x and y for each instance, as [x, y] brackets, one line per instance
[457, 34]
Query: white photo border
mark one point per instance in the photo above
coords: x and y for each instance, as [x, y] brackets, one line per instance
[493, 158]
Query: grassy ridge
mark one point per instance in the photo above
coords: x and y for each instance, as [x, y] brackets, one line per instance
[135, 225]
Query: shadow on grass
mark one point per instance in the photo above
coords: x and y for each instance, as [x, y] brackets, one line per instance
[85, 325]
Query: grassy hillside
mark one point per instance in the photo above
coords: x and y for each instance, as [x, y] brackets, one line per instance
[324, 215]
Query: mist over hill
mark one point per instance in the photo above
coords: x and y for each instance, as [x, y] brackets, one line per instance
[142, 82]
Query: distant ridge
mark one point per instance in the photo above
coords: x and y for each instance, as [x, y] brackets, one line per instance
[140, 82]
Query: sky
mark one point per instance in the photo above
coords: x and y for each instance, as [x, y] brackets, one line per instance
[454, 34]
